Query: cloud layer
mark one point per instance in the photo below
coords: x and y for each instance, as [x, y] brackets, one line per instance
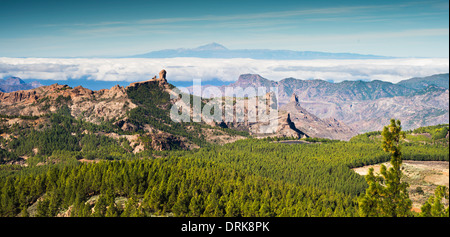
[186, 69]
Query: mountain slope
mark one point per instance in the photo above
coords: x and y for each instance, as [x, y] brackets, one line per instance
[138, 113]
[418, 110]
[418, 83]
[315, 108]
[364, 106]
[324, 91]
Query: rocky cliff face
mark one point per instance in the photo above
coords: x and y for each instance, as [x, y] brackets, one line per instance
[312, 125]
[291, 120]
[109, 105]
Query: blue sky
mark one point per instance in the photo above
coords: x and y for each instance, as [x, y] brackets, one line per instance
[92, 28]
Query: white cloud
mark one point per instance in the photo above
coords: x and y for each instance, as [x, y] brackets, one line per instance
[186, 69]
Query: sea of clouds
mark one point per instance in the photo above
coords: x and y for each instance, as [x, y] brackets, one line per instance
[187, 69]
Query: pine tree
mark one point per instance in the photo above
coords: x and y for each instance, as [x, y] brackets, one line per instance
[101, 206]
[264, 211]
[24, 212]
[43, 208]
[129, 208]
[195, 206]
[433, 207]
[180, 208]
[86, 211]
[387, 195]
[210, 205]
[231, 209]
[112, 210]
[8, 200]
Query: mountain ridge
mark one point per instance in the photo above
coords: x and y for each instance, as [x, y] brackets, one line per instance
[138, 113]
[307, 108]
[356, 102]
[354, 90]
[439, 80]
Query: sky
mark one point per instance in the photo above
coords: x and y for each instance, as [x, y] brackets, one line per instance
[112, 28]
[84, 40]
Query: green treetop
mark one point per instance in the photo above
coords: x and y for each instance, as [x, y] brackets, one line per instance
[387, 195]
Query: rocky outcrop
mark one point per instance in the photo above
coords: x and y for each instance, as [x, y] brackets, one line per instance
[162, 81]
[274, 125]
[162, 74]
[17, 97]
[311, 125]
[125, 125]
[294, 98]
[164, 141]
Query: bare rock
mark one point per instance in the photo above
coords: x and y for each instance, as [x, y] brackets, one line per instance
[162, 74]
[294, 98]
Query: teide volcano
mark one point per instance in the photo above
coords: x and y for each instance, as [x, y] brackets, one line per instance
[215, 50]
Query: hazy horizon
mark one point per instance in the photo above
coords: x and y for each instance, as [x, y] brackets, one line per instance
[182, 70]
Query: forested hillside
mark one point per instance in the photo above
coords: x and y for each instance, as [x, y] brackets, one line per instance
[252, 177]
[55, 163]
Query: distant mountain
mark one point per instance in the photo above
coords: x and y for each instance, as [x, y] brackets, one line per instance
[215, 50]
[364, 106]
[13, 81]
[320, 90]
[439, 80]
[430, 107]
[324, 90]
[16, 84]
